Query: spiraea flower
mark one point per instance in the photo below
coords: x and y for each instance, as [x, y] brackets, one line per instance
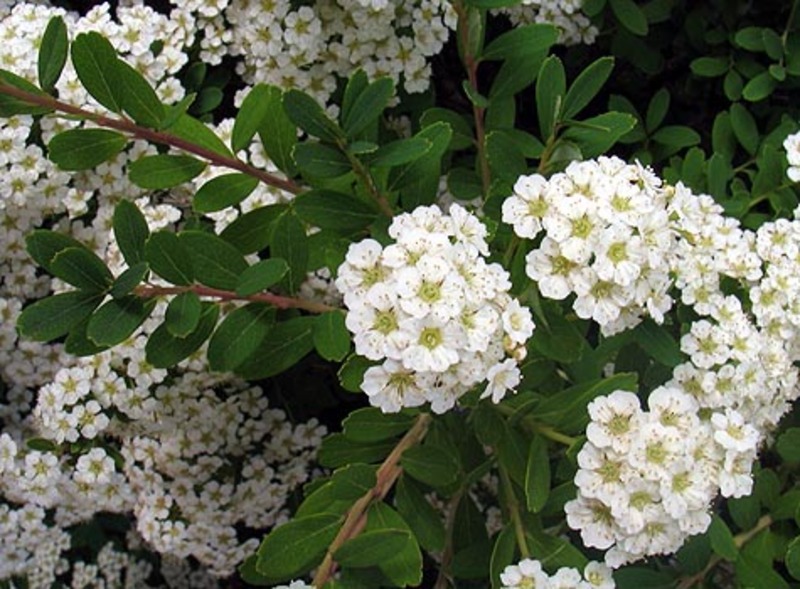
[434, 311]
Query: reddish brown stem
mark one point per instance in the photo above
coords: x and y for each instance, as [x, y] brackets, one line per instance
[356, 518]
[226, 295]
[160, 137]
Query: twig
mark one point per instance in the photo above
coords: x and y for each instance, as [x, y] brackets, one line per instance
[225, 295]
[356, 518]
[160, 137]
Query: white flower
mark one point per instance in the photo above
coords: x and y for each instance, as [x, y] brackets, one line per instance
[502, 378]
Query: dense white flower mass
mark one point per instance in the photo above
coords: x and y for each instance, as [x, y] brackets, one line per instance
[528, 574]
[647, 478]
[606, 240]
[436, 314]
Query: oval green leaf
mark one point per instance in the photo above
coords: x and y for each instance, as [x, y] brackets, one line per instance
[117, 319]
[82, 268]
[81, 149]
[157, 172]
[55, 316]
[216, 263]
[223, 191]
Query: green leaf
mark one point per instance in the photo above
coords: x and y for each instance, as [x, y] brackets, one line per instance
[732, 85]
[43, 245]
[252, 231]
[630, 15]
[157, 172]
[256, 107]
[331, 337]
[81, 149]
[566, 410]
[657, 109]
[430, 464]
[11, 106]
[289, 242]
[792, 558]
[558, 338]
[164, 349]
[512, 453]
[419, 180]
[370, 424]
[404, 568]
[306, 113]
[722, 542]
[372, 548]
[537, 475]
[223, 191]
[130, 231]
[278, 134]
[337, 450]
[422, 518]
[129, 280]
[250, 575]
[475, 97]
[639, 577]
[320, 161]
[287, 343]
[750, 38]
[598, 134]
[658, 343]
[183, 314]
[586, 86]
[168, 258]
[336, 211]
[555, 552]
[260, 276]
[676, 136]
[82, 268]
[297, 546]
[216, 263]
[788, 445]
[752, 572]
[368, 106]
[462, 132]
[190, 129]
[175, 111]
[55, 316]
[353, 481]
[402, 151]
[523, 40]
[52, 53]
[745, 128]
[117, 319]
[239, 336]
[551, 85]
[95, 61]
[710, 67]
[351, 374]
[138, 98]
[506, 159]
[503, 554]
[759, 88]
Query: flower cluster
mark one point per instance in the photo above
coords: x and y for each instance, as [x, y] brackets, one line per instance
[647, 478]
[573, 26]
[607, 239]
[434, 311]
[528, 574]
[792, 146]
[308, 47]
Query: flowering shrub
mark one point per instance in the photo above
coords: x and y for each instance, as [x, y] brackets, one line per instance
[377, 293]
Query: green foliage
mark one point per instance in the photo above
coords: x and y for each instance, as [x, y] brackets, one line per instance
[717, 126]
[81, 149]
